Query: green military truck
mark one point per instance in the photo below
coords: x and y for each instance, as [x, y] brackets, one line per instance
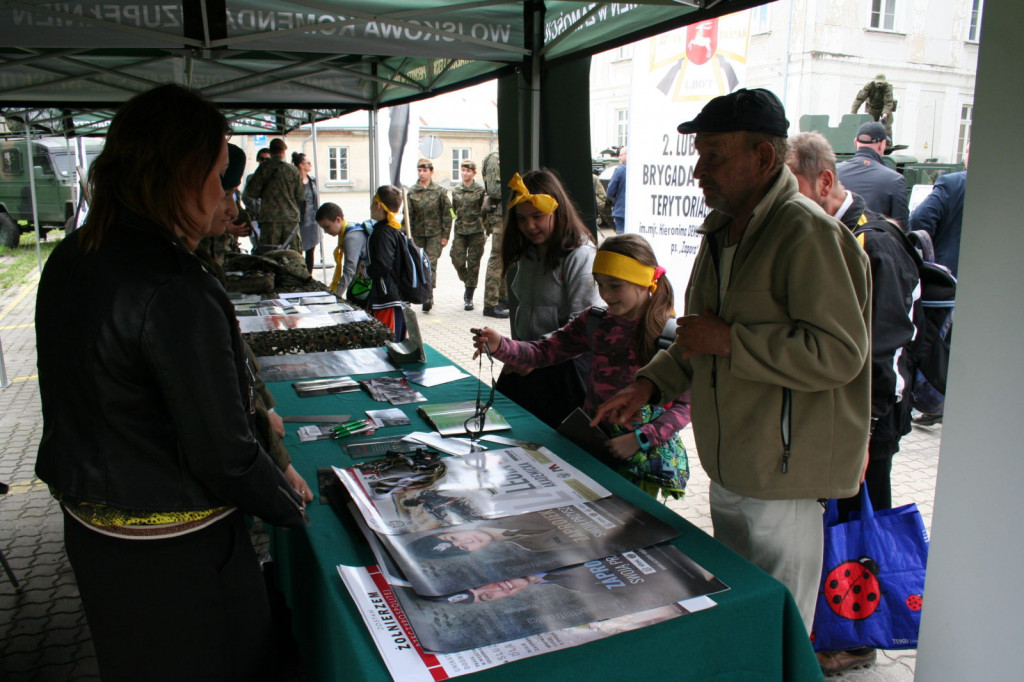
[53, 164]
[841, 138]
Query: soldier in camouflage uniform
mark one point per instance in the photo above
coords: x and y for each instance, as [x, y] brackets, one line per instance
[278, 186]
[470, 238]
[880, 103]
[269, 427]
[430, 218]
[495, 292]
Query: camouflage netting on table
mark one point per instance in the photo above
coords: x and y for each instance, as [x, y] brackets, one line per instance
[276, 272]
[283, 272]
[367, 334]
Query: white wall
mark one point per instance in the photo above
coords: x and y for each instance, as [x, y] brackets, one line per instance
[972, 624]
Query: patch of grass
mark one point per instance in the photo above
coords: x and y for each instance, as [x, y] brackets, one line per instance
[17, 263]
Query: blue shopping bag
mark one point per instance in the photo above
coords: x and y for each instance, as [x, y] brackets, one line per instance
[872, 579]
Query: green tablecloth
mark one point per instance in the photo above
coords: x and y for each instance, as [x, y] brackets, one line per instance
[755, 633]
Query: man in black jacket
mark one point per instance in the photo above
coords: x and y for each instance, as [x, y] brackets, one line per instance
[883, 189]
[895, 291]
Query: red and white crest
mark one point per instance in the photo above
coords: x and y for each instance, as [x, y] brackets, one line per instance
[701, 41]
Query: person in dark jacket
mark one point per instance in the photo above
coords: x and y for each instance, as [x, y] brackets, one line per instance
[894, 294]
[385, 246]
[147, 410]
[941, 215]
[883, 189]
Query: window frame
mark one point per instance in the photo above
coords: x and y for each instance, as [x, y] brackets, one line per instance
[880, 15]
[334, 171]
[459, 154]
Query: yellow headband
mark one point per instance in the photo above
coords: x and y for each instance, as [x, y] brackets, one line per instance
[627, 269]
[392, 220]
[545, 203]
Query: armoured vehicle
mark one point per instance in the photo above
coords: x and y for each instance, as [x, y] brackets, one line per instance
[53, 165]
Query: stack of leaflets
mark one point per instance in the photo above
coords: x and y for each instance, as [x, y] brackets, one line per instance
[393, 390]
[315, 387]
[451, 419]
[477, 553]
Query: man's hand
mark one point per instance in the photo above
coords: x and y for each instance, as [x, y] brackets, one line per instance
[705, 334]
[622, 407]
[276, 423]
[296, 481]
[239, 229]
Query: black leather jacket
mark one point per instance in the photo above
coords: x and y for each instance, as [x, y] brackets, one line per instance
[146, 390]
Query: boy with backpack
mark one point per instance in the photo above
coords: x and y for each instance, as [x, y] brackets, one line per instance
[388, 254]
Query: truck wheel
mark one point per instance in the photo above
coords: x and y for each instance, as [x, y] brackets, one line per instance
[9, 233]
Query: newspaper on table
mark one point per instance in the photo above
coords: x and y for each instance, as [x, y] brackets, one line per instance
[599, 589]
[447, 560]
[270, 323]
[406, 660]
[332, 363]
[405, 495]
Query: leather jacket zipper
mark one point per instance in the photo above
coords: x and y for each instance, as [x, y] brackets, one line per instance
[786, 427]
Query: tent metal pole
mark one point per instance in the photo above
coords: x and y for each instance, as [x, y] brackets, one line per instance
[32, 190]
[371, 129]
[316, 167]
[535, 70]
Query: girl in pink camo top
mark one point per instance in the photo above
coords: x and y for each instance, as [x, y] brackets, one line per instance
[622, 339]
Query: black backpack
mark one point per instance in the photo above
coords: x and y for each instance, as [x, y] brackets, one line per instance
[414, 273]
[933, 317]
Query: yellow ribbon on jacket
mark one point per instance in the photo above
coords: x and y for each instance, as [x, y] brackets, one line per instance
[392, 220]
[545, 203]
[336, 280]
[627, 269]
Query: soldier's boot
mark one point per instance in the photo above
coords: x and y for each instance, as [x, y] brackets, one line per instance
[468, 298]
[500, 311]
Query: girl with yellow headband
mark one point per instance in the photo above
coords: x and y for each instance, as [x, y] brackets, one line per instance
[618, 341]
[546, 254]
[385, 247]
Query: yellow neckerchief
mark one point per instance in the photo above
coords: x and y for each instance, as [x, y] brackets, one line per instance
[336, 280]
[545, 203]
[627, 269]
[391, 220]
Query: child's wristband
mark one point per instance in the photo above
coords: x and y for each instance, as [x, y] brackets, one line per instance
[641, 438]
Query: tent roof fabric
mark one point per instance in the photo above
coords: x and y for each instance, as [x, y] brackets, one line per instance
[274, 65]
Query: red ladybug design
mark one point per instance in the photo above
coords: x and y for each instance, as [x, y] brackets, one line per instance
[852, 590]
[914, 602]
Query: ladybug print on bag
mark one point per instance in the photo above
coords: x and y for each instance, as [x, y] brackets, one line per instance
[914, 602]
[852, 589]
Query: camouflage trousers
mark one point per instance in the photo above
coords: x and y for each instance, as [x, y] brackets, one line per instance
[877, 114]
[494, 283]
[274, 234]
[432, 245]
[467, 250]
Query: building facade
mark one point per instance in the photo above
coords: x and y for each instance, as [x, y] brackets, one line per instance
[817, 54]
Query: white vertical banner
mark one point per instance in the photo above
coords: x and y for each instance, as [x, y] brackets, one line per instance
[674, 75]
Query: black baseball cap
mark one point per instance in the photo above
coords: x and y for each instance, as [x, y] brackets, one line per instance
[872, 131]
[756, 110]
[236, 166]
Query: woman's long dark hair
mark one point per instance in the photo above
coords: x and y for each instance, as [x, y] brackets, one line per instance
[160, 149]
[569, 232]
[660, 306]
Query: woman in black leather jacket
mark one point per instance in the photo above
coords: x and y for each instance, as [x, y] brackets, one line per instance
[147, 409]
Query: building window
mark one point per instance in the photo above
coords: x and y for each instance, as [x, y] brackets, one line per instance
[883, 14]
[963, 138]
[623, 53]
[760, 19]
[458, 154]
[974, 27]
[337, 164]
[621, 127]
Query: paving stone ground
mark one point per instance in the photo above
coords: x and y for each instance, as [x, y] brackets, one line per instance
[43, 633]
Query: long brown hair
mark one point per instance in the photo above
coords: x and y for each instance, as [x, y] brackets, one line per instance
[569, 231]
[660, 306]
[160, 149]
